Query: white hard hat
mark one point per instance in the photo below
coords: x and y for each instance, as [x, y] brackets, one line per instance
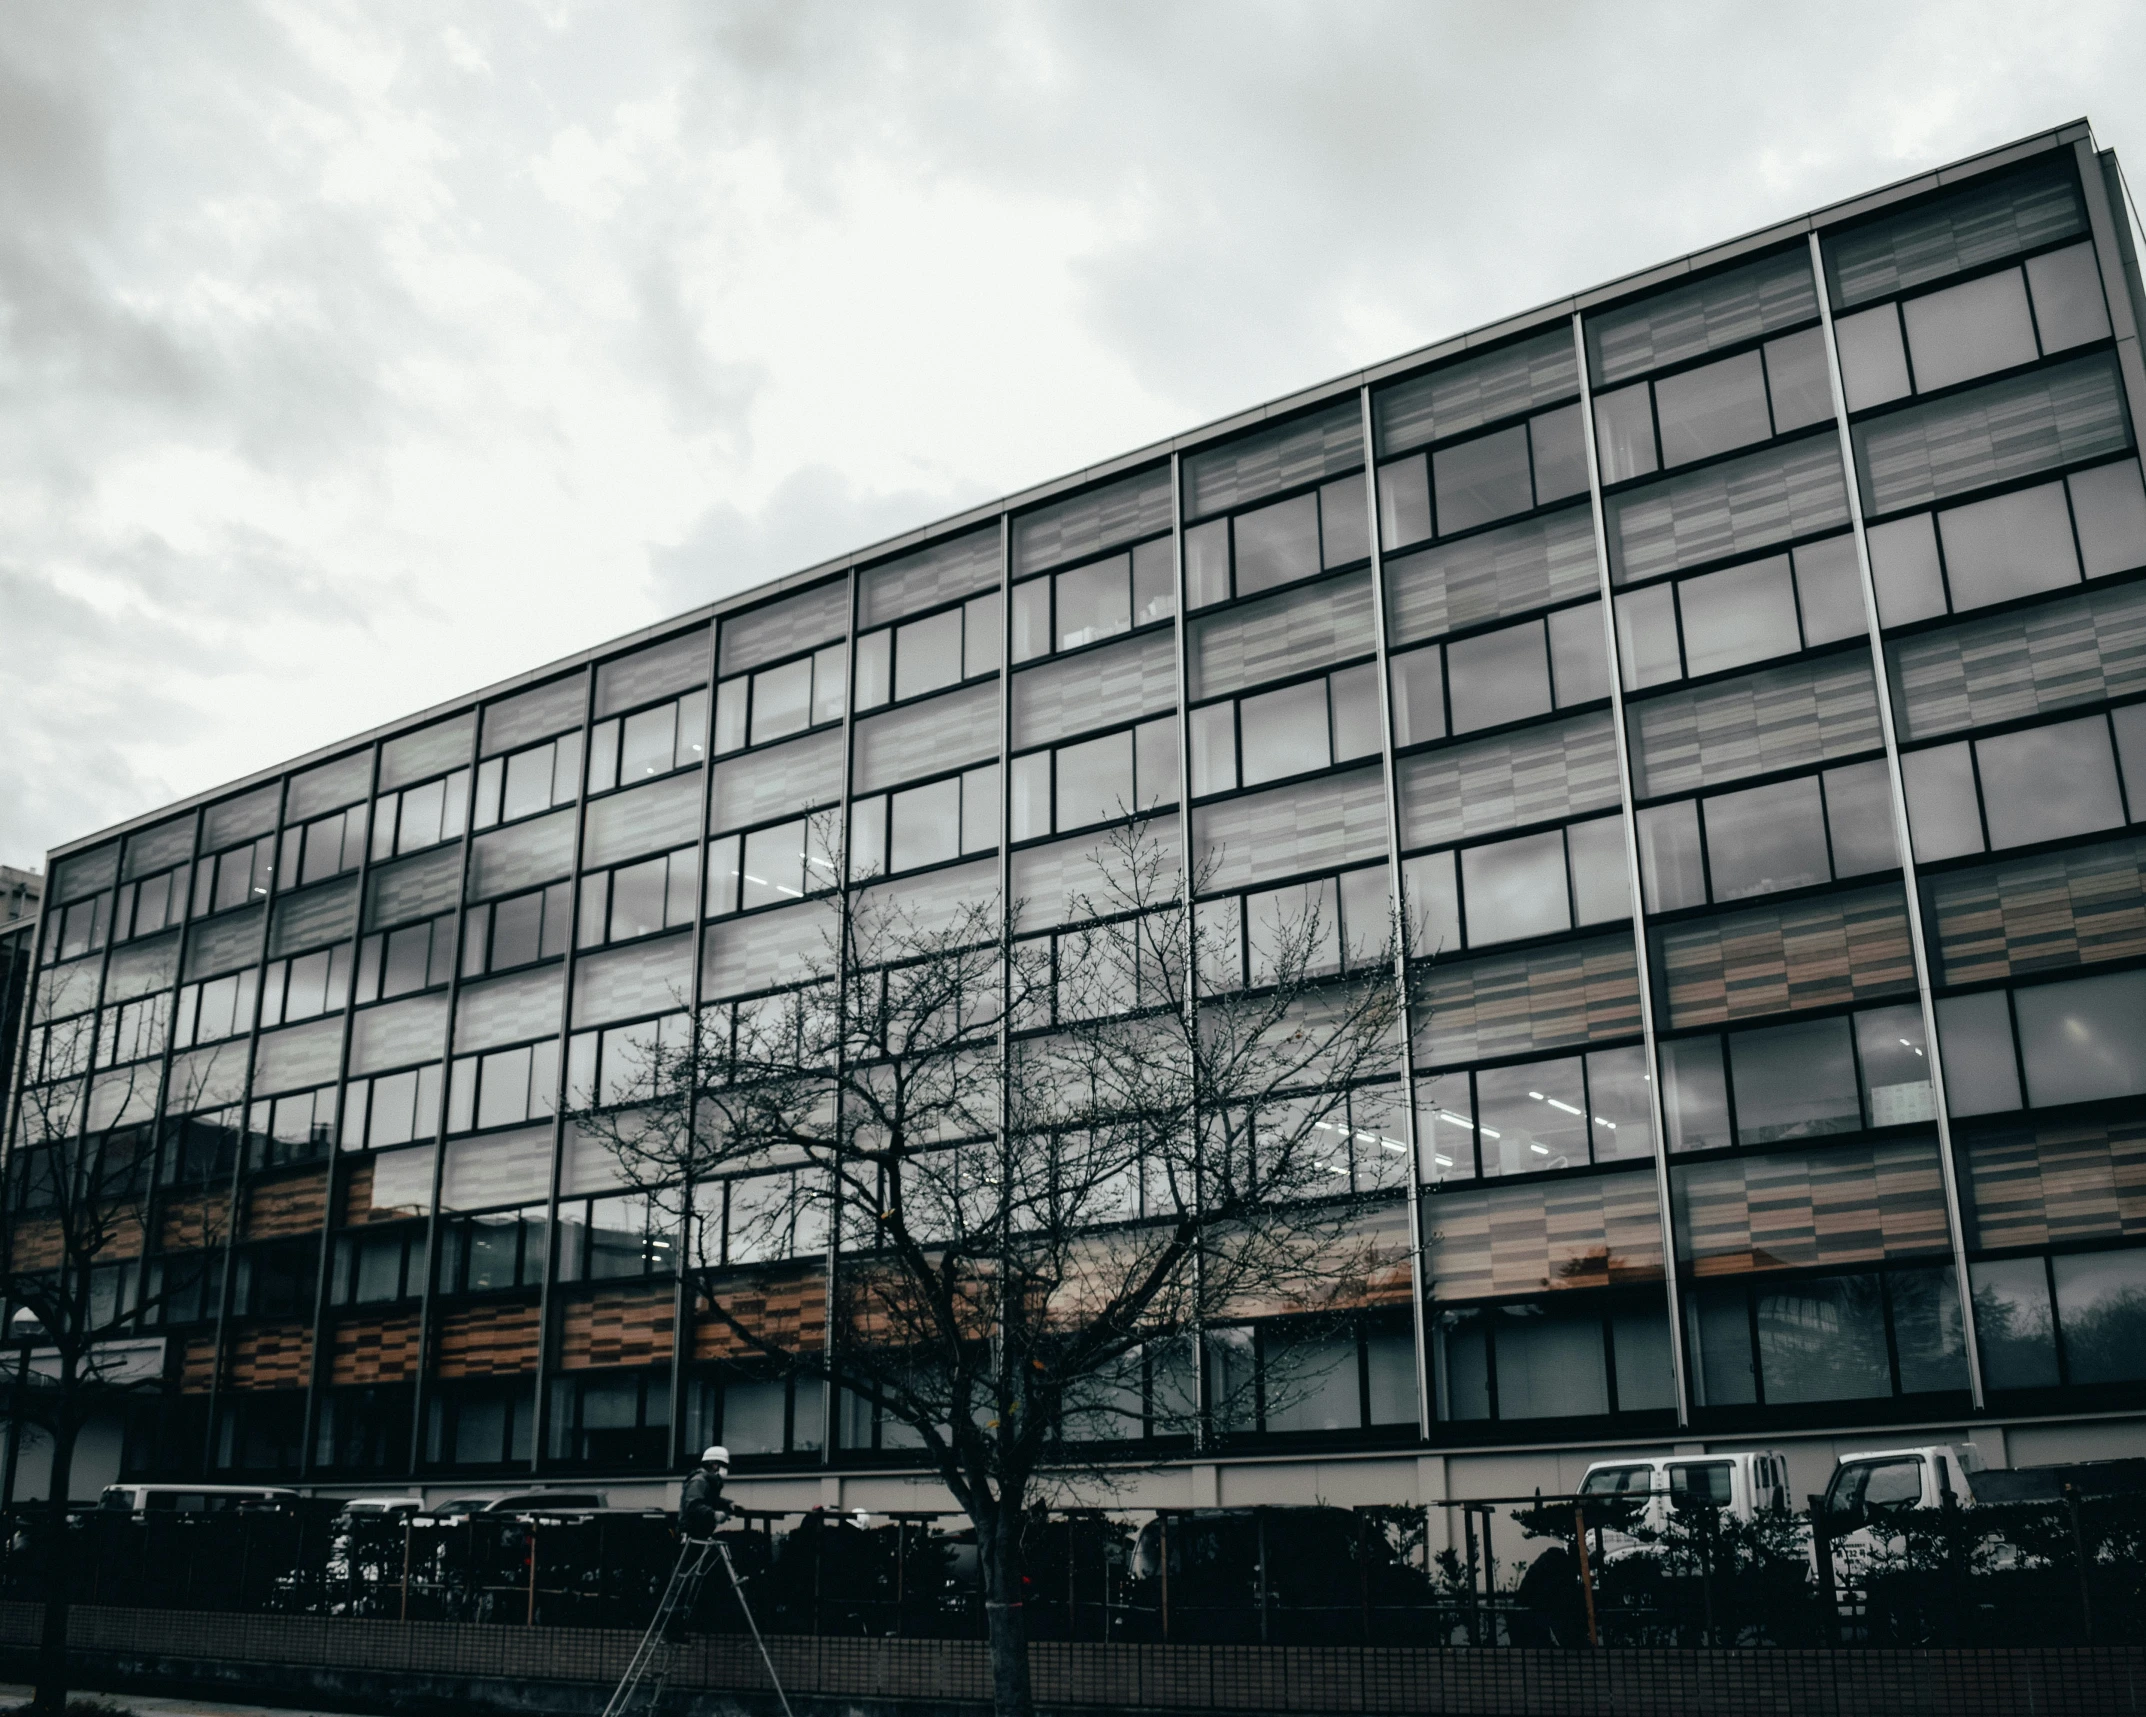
[715, 1455]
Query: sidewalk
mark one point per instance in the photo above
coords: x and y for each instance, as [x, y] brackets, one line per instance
[146, 1705]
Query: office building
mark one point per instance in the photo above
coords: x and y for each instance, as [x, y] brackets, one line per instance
[1737, 665]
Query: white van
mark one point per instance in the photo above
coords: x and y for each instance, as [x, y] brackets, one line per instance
[192, 1498]
[1741, 1485]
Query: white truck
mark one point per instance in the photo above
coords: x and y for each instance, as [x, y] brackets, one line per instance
[1869, 1490]
[1739, 1484]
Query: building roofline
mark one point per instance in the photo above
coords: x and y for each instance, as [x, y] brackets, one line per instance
[1283, 406]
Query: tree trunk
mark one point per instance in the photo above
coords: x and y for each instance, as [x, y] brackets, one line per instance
[999, 1543]
[52, 1645]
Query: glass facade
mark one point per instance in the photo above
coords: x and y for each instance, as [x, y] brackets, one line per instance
[1733, 684]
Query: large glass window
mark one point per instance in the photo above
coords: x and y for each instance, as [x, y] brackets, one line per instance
[1956, 333]
[764, 867]
[1742, 614]
[1508, 890]
[779, 701]
[1792, 834]
[2040, 784]
[652, 742]
[416, 818]
[1289, 731]
[1787, 1340]
[1277, 544]
[1094, 602]
[2101, 1312]
[1540, 1359]
[2050, 536]
[1796, 1081]
[1531, 1117]
[2081, 1040]
[1716, 408]
[1494, 678]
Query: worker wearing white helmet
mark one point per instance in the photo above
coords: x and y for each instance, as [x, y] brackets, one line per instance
[701, 1505]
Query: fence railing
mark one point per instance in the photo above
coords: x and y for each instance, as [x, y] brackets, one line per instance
[2009, 1574]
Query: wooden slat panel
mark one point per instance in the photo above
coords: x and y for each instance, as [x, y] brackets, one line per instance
[190, 1225]
[1591, 1231]
[2033, 1186]
[1773, 959]
[272, 1356]
[374, 1350]
[788, 1308]
[197, 1365]
[2040, 914]
[289, 1204]
[619, 1326]
[1515, 1003]
[483, 1341]
[35, 1243]
[1847, 1204]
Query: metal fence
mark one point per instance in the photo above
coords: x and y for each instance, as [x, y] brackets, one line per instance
[2012, 1574]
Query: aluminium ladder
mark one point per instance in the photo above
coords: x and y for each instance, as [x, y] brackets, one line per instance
[650, 1667]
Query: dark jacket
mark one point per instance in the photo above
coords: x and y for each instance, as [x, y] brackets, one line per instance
[701, 1504]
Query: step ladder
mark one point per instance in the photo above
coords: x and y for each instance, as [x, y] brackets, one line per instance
[641, 1688]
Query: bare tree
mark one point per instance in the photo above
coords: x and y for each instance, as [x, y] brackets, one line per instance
[78, 1179]
[1040, 1160]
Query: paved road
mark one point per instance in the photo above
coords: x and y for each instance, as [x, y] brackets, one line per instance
[147, 1706]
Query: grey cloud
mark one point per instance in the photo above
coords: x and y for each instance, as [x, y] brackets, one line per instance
[183, 275]
[813, 515]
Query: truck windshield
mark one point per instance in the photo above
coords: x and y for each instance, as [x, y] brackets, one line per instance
[1894, 1483]
[1617, 1481]
[1705, 1482]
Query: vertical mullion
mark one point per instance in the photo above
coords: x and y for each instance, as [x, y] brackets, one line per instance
[1006, 1144]
[1397, 905]
[1179, 635]
[682, 1300]
[845, 882]
[1657, 1114]
[245, 1117]
[420, 1395]
[1902, 836]
[321, 1376]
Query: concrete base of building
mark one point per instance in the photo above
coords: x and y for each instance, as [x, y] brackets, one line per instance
[330, 1664]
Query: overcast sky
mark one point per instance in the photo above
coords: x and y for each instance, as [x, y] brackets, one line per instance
[354, 356]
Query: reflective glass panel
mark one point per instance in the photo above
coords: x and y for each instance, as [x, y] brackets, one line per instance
[1481, 480]
[1895, 1066]
[1094, 602]
[1766, 839]
[1285, 732]
[1794, 1082]
[1712, 409]
[1277, 544]
[1969, 330]
[2101, 1312]
[1744, 614]
[1515, 889]
[1095, 780]
[927, 654]
[2048, 782]
[2014, 1324]
[1532, 1117]
[1498, 677]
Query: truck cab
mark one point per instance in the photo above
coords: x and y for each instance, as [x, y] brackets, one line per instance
[1889, 1479]
[1867, 1493]
[1740, 1484]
